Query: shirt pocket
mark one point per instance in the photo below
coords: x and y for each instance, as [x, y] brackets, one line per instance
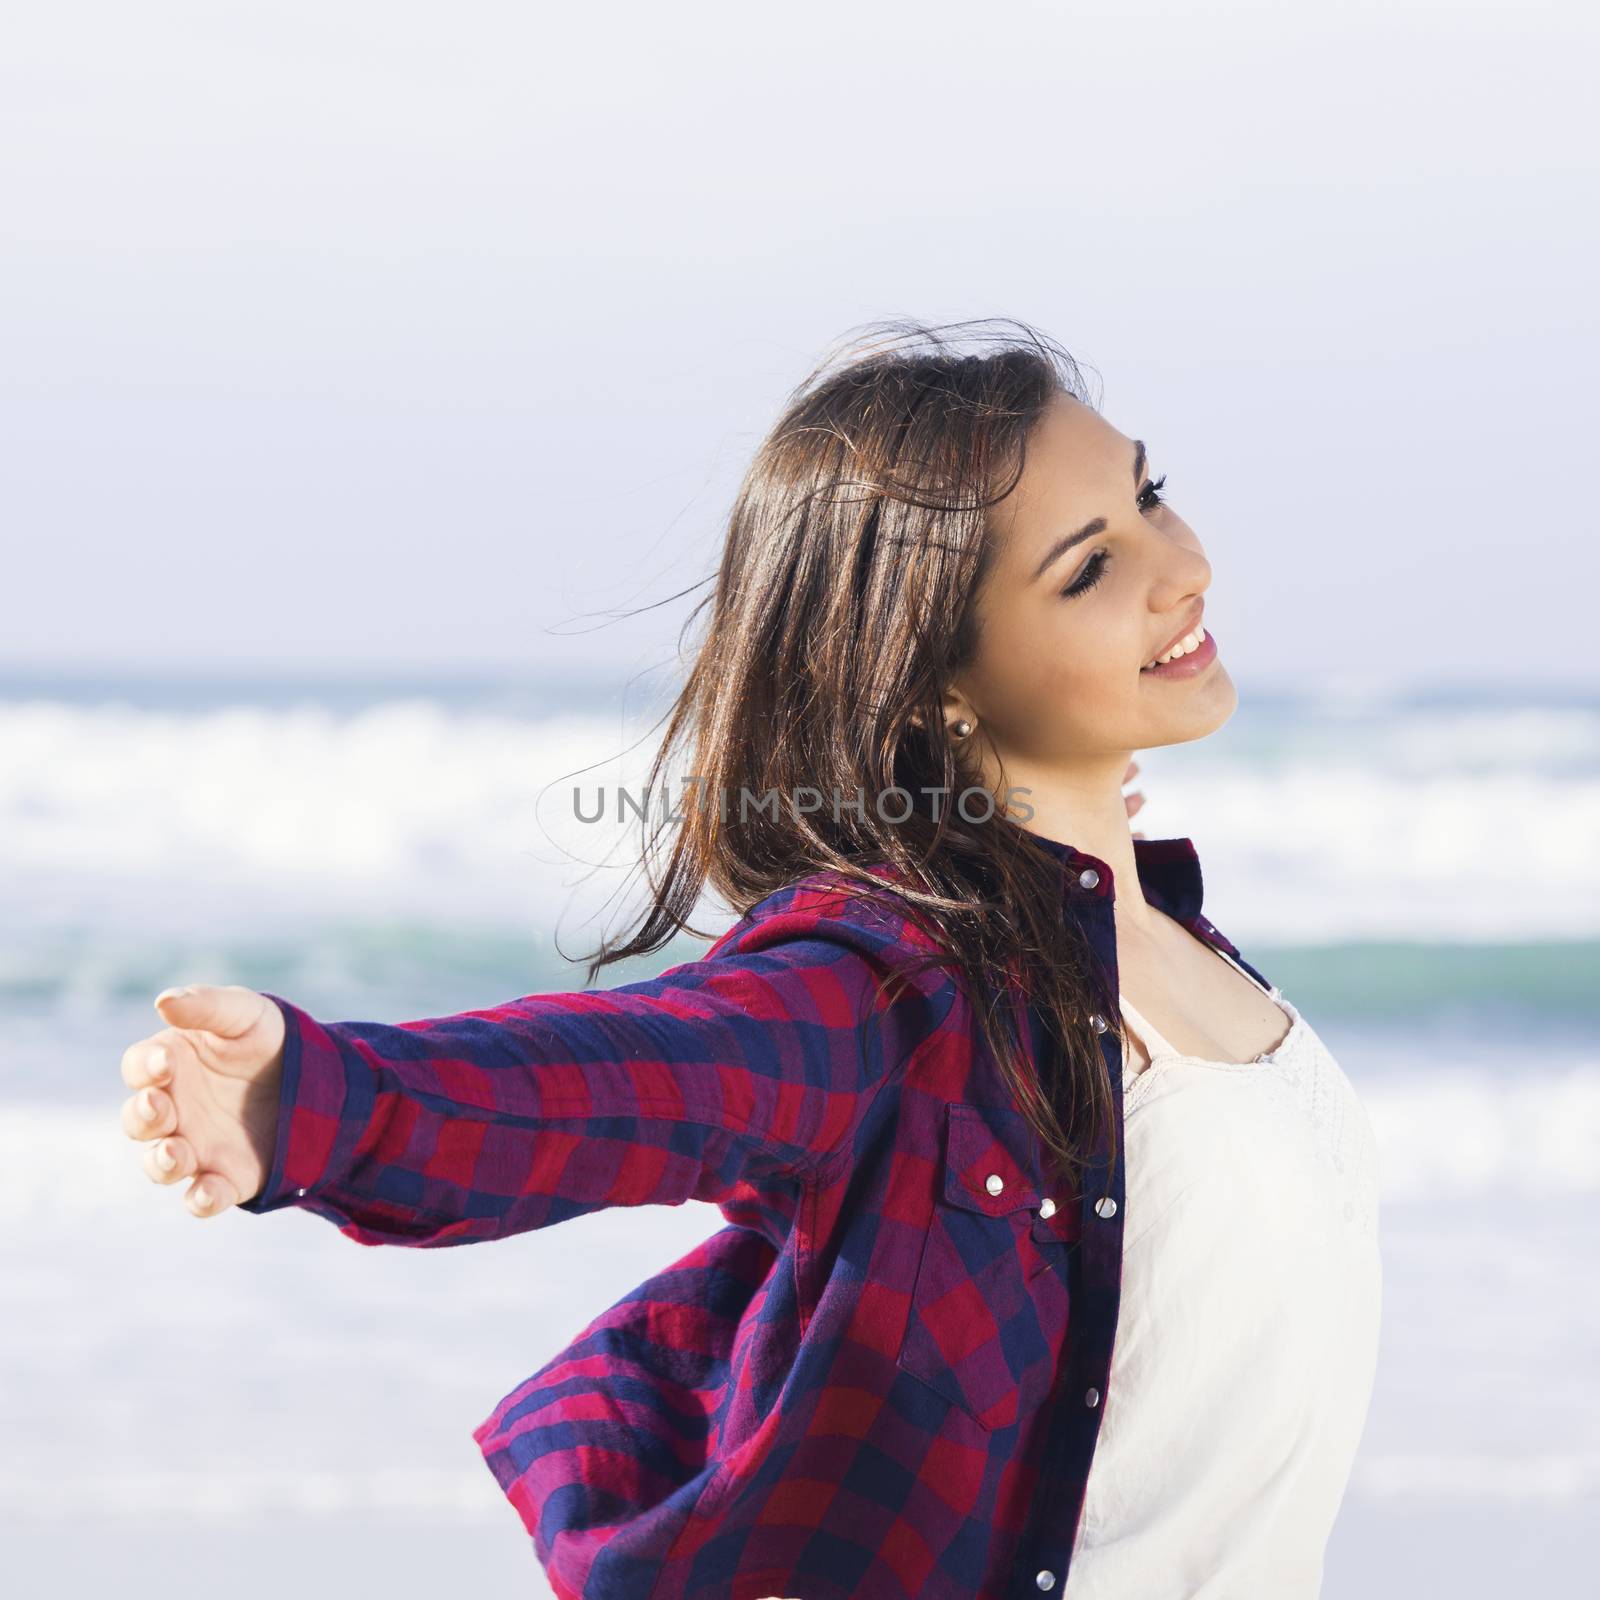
[989, 1304]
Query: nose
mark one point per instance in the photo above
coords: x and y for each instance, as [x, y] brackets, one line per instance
[1182, 575]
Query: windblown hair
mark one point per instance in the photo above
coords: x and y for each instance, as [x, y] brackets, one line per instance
[844, 602]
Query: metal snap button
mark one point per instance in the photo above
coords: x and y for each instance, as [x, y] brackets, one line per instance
[1046, 1580]
[1047, 1207]
[1105, 1206]
[1092, 1398]
[1098, 1023]
[1088, 877]
[994, 1183]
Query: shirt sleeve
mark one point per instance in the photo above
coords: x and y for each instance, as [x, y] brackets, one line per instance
[757, 1061]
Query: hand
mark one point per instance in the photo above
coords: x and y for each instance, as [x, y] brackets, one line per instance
[208, 1086]
[1135, 800]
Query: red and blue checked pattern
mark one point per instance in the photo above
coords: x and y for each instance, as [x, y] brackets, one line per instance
[882, 1377]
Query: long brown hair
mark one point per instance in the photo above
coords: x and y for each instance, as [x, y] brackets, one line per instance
[843, 603]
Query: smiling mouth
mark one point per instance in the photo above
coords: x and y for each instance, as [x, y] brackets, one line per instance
[1186, 646]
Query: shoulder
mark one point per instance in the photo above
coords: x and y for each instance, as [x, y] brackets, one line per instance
[1207, 931]
[828, 912]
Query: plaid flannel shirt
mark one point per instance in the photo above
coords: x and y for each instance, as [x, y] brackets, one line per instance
[882, 1377]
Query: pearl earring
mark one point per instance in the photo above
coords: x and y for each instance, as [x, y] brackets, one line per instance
[962, 729]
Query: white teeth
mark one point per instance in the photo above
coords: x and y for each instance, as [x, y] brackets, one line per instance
[1190, 641]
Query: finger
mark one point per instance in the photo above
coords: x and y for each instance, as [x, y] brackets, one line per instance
[169, 1160]
[210, 1194]
[1134, 802]
[149, 1114]
[150, 1060]
[227, 1009]
[1128, 776]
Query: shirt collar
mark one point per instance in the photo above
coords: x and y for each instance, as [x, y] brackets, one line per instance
[1169, 873]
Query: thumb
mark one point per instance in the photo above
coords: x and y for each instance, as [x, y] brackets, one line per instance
[227, 1010]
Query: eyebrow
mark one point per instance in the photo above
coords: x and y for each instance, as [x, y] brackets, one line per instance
[1089, 529]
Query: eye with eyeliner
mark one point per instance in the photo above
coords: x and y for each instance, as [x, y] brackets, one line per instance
[1095, 568]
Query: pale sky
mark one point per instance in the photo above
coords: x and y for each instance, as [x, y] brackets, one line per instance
[399, 337]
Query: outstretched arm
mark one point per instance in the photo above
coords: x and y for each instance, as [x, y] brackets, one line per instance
[756, 1061]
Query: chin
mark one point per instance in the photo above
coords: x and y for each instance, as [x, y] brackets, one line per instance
[1201, 711]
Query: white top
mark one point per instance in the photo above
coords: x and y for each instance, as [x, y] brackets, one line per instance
[1247, 1333]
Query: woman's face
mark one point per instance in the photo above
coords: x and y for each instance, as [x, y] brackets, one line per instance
[1092, 577]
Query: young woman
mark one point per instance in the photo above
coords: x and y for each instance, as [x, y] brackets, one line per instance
[1011, 1297]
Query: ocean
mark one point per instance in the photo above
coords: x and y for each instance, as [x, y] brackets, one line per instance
[259, 1398]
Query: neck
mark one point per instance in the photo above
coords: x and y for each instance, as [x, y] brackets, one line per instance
[1088, 812]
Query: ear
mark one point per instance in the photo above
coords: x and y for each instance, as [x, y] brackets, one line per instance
[953, 703]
